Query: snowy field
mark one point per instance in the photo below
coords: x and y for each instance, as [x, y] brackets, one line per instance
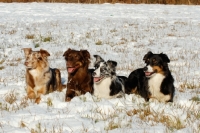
[120, 32]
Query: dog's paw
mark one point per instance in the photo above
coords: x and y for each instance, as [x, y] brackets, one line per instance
[37, 100]
[120, 95]
[152, 99]
[68, 99]
[31, 95]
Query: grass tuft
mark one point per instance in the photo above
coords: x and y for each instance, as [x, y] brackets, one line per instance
[10, 97]
[24, 102]
[37, 45]
[195, 98]
[49, 102]
[98, 42]
[2, 61]
[22, 124]
[189, 85]
[47, 39]
[112, 125]
[146, 114]
[2, 67]
[29, 36]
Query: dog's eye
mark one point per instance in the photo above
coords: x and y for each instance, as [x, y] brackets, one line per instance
[70, 55]
[148, 60]
[96, 66]
[39, 58]
[76, 56]
[155, 61]
[103, 68]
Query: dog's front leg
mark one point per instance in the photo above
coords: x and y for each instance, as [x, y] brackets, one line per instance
[30, 92]
[70, 93]
[86, 88]
[40, 92]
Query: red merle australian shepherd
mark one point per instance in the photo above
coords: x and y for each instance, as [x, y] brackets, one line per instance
[154, 80]
[106, 83]
[79, 76]
[40, 78]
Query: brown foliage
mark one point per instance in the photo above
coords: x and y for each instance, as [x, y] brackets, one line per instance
[174, 2]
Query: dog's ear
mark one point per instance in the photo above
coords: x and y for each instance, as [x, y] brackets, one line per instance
[147, 56]
[98, 58]
[67, 52]
[85, 54]
[165, 58]
[44, 53]
[112, 63]
[27, 51]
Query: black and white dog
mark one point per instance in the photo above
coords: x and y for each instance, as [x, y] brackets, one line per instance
[154, 80]
[106, 83]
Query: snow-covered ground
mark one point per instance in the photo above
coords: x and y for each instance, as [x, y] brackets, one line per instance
[120, 32]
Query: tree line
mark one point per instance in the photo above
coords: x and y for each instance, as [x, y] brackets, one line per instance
[173, 2]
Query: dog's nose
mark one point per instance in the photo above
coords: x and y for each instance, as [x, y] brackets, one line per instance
[145, 68]
[93, 74]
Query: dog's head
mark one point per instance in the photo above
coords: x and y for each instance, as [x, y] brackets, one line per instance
[76, 59]
[35, 59]
[155, 63]
[103, 69]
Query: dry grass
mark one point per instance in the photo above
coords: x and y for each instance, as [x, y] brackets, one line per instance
[1, 62]
[10, 97]
[13, 62]
[47, 39]
[11, 103]
[148, 114]
[49, 102]
[30, 36]
[188, 85]
[99, 42]
[22, 124]
[196, 99]
[2, 67]
[24, 102]
[4, 106]
[37, 45]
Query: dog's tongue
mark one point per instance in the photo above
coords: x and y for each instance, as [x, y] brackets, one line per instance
[70, 69]
[96, 79]
[147, 73]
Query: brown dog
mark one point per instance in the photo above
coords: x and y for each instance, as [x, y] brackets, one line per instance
[79, 77]
[40, 78]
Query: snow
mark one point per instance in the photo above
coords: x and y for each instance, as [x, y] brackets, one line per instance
[121, 32]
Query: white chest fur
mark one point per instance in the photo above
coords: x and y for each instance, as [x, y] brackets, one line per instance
[40, 78]
[102, 89]
[35, 73]
[155, 86]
